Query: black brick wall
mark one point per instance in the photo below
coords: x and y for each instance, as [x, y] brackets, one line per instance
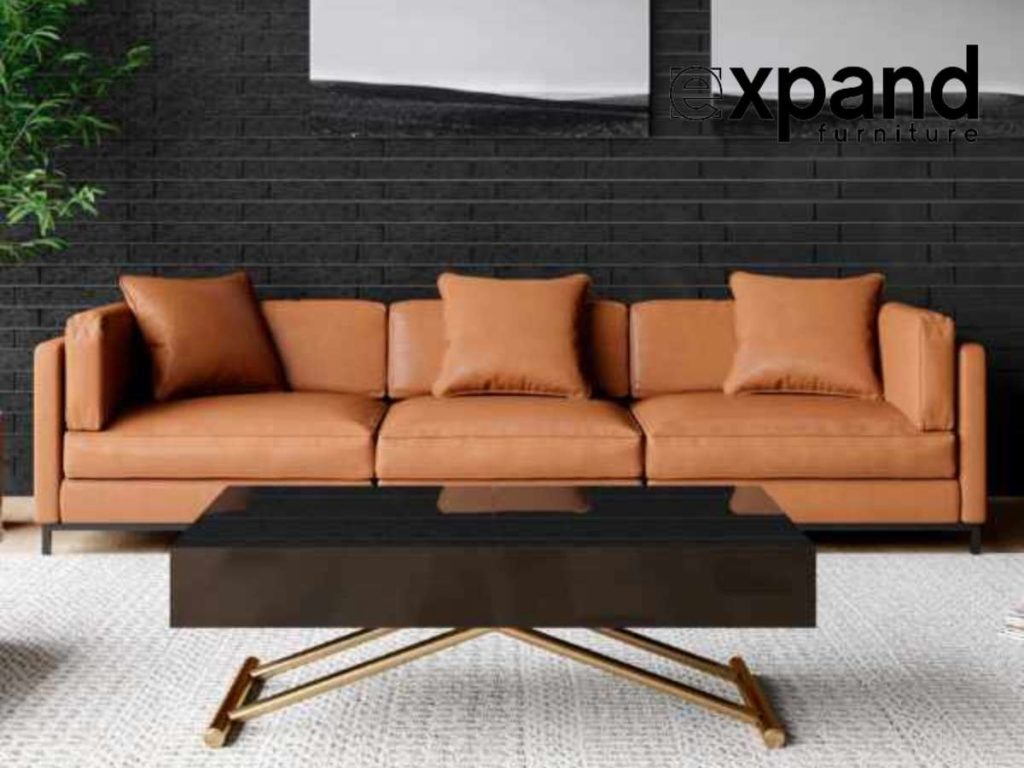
[216, 169]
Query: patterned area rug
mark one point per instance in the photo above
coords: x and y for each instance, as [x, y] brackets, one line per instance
[906, 668]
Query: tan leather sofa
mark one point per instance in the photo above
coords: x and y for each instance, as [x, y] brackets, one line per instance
[359, 411]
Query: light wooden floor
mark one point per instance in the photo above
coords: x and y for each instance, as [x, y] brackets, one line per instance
[1005, 533]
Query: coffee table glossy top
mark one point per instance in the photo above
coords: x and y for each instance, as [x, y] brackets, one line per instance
[508, 515]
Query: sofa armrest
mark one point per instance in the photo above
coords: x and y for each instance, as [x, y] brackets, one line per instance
[48, 428]
[917, 349]
[971, 433]
[102, 347]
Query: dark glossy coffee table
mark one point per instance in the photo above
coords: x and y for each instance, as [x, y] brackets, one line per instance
[492, 559]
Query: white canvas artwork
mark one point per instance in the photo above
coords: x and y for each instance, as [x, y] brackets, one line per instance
[925, 34]
[490, 66]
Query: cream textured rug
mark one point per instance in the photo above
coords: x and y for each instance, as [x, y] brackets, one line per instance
[906, 668]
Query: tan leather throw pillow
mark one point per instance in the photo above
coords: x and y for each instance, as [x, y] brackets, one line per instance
[205, 336]
[805, 335]
[512, 336]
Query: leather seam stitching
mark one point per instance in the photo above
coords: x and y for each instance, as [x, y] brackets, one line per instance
[921, 383]
[916, 436]
[509, 437]
[107, 436]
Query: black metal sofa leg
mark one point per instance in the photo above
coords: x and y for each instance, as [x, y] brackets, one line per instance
[976, 540]
[47, 538]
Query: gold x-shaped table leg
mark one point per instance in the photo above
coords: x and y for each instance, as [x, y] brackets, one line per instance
[242, 702]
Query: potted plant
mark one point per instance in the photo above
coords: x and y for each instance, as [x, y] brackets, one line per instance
[50, 90]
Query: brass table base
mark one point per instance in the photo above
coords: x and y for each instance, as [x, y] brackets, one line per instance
[242, 702]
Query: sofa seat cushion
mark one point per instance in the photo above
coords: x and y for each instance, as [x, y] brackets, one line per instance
[499, 437]
[710, 435]
[272, 435]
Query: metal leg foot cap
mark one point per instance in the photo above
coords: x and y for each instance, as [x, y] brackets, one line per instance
[774, 738]
[215, 738]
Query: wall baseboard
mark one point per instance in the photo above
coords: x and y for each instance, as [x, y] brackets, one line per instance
[18, 509]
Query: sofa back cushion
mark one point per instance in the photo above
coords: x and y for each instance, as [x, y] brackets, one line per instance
[416, 344]
[918, 352]
[680, 345]
[330, 345]
[106, 365]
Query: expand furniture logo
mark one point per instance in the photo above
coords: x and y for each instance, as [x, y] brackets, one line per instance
[696, 94]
